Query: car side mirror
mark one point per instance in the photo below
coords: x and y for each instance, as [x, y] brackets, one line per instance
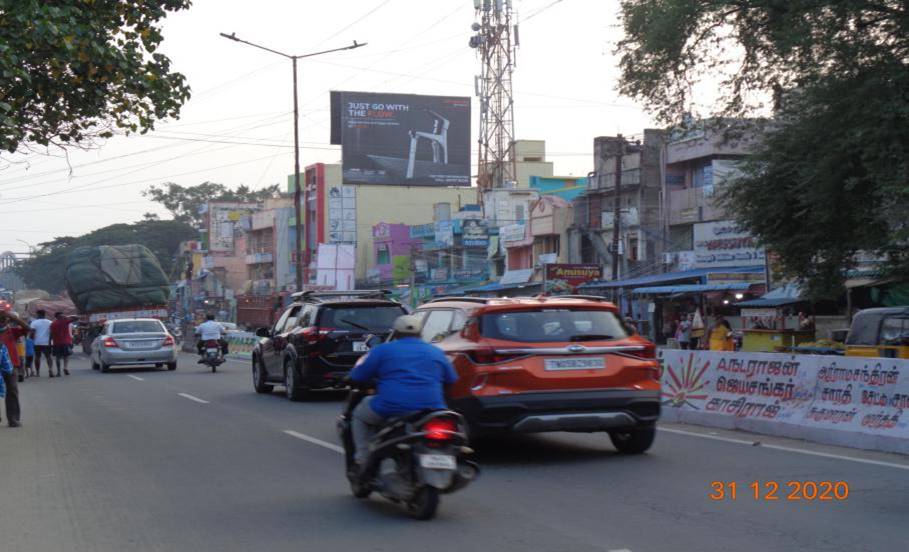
[263, 332]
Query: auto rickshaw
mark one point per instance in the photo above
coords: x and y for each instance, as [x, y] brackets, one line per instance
[880, 332]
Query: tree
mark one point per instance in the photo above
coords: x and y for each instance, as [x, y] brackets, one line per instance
[184, 203]
[831, 176]
[46, 269]
[72, 71]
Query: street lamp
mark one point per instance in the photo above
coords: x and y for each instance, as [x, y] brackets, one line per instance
[297, 225]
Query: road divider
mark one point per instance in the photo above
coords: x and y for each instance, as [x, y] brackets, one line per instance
[241, 344]
[847, 401]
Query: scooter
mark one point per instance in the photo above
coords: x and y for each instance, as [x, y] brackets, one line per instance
[412, 459]
[212, 355]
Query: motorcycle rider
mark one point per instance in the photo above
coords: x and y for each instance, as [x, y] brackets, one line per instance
[208, 331]
[409, 375]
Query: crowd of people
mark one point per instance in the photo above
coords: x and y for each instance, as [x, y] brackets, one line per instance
[23, 345]
[691, 333]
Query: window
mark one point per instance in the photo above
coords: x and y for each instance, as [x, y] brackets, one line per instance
[306, 319]
[556, 325]
[281, 321]
[864, 329]
[289, 320]
[518, 213]
[137, 326]
[437, 324]
[383, 257]
[368, 318]
[633, 249]
[895, 331]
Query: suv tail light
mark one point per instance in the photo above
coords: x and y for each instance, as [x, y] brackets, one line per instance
[314, 334]
[491, 356]
[168, 341]
[440, 429]
[648, 352]
[111, 343]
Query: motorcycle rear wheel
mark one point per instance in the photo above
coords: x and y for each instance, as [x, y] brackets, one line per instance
[424, 504]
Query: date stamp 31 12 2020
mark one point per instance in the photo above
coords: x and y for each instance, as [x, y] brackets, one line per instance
[770, 491]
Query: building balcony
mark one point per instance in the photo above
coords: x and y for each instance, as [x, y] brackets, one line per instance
[692, 205]
[606, 182]
[260, 258]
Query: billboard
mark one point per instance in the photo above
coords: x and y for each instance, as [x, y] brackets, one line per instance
[473, 233]
[402, 139]
[722, 243]
[562, 278]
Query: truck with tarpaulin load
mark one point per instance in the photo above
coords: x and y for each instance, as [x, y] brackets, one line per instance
[110, 282]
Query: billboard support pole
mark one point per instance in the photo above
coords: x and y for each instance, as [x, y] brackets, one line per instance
[298, 224]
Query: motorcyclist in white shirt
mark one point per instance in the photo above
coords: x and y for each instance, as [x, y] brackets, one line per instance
[210, 331]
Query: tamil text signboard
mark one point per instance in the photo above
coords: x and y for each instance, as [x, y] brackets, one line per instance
[722, 243]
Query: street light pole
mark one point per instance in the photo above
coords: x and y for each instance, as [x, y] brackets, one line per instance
[298, 254]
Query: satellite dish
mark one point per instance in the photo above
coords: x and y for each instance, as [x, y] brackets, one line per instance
[475, 27]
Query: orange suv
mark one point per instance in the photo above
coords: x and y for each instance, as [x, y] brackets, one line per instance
[538, 364]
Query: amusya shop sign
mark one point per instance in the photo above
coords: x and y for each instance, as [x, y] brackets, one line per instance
[567, 277]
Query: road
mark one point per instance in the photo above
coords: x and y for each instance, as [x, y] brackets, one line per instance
[144, 460]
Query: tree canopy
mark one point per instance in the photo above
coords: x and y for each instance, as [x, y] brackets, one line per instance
[75, 70]
[184, 202]
[46, 269]
[831, 176]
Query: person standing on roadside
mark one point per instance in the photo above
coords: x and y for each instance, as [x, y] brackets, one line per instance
[683, 333]
[41, 334]
[62, 340]
[29, 355]
[8, 379]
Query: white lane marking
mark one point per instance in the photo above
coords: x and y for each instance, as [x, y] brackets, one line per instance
[190, 397]
[137, 378]
[620, 550]
[790, 449]
[313, 440]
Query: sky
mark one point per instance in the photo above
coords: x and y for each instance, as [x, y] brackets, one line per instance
[238, 127]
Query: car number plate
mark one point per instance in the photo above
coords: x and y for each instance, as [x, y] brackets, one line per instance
[438, 461]
[583, 363]
[360, 347]
[212, 351]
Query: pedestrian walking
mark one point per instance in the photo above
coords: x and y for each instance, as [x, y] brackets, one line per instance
[41, 334]
[29, 355]
[9, 389]
[62, 340]
[721, 338]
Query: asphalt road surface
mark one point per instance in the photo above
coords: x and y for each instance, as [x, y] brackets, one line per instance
[140, 460]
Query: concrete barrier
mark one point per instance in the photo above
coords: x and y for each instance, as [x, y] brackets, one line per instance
[855, 402]
[241, 344]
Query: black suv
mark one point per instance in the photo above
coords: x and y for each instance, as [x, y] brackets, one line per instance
[319, 338]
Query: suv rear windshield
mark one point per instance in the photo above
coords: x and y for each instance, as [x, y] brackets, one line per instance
[552, 325]
[137, 326]
[372, 318]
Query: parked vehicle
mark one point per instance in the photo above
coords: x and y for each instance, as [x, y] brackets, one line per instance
[212, 354]
[414, 458]
[318, 338]
[564, 363]
[133, 342]
[882, 332]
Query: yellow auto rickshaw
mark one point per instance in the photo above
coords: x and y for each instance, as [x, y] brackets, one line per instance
[880, 332]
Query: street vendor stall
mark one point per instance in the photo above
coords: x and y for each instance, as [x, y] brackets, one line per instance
[764, 321]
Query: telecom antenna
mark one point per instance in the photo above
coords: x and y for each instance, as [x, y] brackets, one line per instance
[496, 42]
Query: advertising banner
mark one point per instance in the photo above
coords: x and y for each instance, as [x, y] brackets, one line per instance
[342, 214]
[565, 278]
[444, 232]
[511, 233]
[402, 139]
[859, 402]
[722, 243]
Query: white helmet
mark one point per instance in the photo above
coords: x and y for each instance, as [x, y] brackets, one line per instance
[407, 325]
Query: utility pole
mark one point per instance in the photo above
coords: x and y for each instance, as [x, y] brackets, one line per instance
[298, 230]
[413, 274]
[617, 206]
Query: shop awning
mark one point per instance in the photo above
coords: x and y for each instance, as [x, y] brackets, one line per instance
[691, 288]
[785, 295]
[498, 286]
[669, 277]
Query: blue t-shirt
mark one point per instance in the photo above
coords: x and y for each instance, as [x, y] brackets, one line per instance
[29, 346]
[410, 374]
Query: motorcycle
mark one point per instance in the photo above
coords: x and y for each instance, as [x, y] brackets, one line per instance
[212, 355]
[412, 459]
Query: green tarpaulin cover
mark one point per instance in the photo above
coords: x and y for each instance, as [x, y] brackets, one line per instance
[111, 277]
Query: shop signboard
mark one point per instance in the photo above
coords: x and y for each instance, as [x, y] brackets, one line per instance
[511, 233]
[735, 277]
[562, 278]
[722, 244]
[402, 139]
[444, 232]
[473, 233]
[342, 214]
